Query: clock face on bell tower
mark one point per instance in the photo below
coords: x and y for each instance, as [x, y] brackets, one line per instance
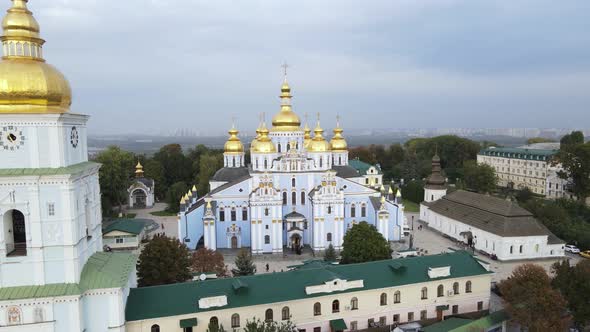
[11, 138]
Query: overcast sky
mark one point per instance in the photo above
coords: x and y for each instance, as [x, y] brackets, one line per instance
[157, 65]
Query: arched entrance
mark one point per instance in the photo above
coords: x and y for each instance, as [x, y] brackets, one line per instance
[234, 242]
[296, 241]
[139, 198]
[15, 233]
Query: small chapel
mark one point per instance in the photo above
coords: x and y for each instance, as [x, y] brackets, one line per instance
[141, 191]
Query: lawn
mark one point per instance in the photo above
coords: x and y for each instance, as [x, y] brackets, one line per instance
[163, 213]
[411, 206]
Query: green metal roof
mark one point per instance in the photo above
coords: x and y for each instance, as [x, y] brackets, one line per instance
[69, 170]
[338, 325]
[447, 325]
[362, 167]
[181, 298]
[133, 226]
[107, 270]
[103, 270]
[30, 292]
[519, 153]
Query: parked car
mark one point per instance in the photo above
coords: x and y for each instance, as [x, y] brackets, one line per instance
[571, 248]
[585, 253]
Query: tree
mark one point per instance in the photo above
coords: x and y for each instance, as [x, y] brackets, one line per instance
[256, 325]
[176, 166]
[206, 260]
[413, 191]
[163, 260]
[208, 165]
[244, 264]
[174, 194]
[363, 243]
[574, 157]
[330, 254]
[154, 170]
[573, 282]
[479, 177]
[532, 302]
[115, 175]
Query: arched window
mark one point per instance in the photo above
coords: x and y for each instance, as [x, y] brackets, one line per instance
[268, 315]
[383, 299]
[155, 328]
[329, 209]
[235, 320]
[267, 239]
[511, 249]
[285, 315]
[284, 198]
[265, 163]
[213, 323]
[424, 293]
[397, 297]
[294, 198]
[335, 306]
[16, 240]
[440, 291]
[354, 303]
[279, 147]
[233, 214]
[353, 210]
[363, 210]
[456, 288]
[321, 162]
[288, 146]
[339, 160]
[303, 198]
[221, 214]
[266, 212]
[244, 213]
[468, 287]
[520, 249]
[293, 182]
[317, 309]
[329, 237]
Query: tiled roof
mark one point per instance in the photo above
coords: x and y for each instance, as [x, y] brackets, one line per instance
[72, 169]
[346, 171]
[229, 174]
[180, 299]
[133, 226]
[103, 270]
[491, 214]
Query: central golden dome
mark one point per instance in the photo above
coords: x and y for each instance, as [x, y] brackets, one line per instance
[27, 83]
[286, 119]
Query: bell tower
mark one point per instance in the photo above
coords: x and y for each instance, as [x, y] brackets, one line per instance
[49, 191]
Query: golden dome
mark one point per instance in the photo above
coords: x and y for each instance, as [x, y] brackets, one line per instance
[138, 170]
[27, 83]
[318, 143]
[233, 144]
[338, 143]
[306, 136]
[263, 144]
[286, 119]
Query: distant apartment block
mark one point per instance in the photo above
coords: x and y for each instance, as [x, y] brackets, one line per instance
[527, 167]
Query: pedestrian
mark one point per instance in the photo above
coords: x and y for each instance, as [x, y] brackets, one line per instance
[267, 267]
[162, 226]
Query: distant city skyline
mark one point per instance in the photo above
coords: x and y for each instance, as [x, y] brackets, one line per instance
[160, 65]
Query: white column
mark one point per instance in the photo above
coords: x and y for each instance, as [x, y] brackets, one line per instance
[253, 239]
[212, 227]
[206, 234]
[322, 235]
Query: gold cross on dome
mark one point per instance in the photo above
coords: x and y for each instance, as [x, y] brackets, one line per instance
[285, 66]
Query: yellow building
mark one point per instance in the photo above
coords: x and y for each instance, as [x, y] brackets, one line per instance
[319, 297]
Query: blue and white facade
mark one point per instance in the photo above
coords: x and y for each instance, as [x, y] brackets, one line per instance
[298, 191]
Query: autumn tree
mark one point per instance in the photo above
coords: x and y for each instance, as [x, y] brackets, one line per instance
[532, 302]
[257, 325]
[363, 243]
[206, 260]
[244, 264]
[163, 260]
[115, 176]
[573, 282]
